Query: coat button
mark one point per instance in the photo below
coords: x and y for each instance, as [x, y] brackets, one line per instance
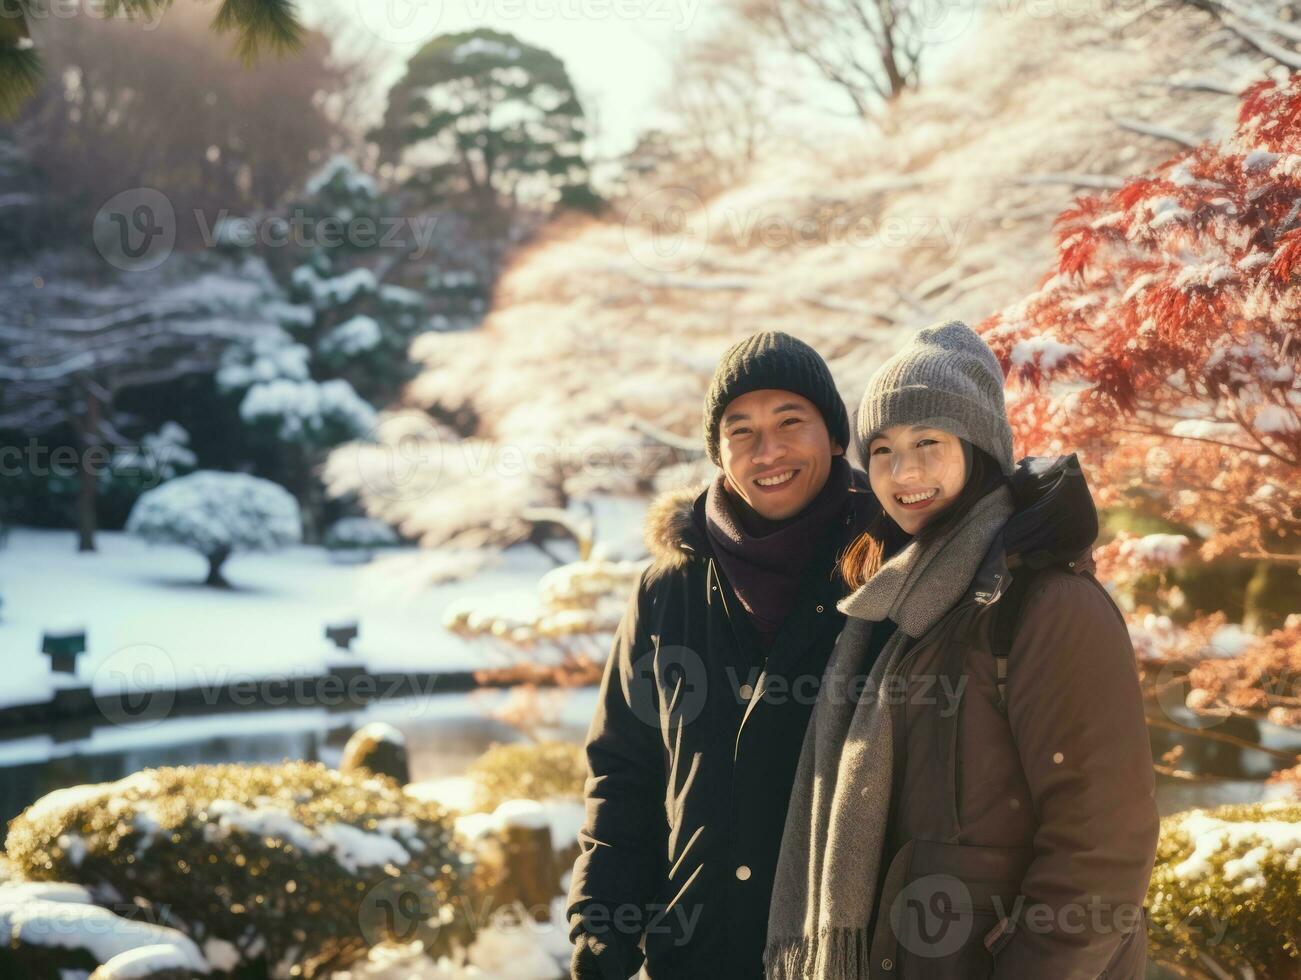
[819, 609]
[743, 872]
[746, 691]
[887, 964]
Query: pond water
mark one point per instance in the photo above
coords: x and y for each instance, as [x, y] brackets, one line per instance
[444, 732]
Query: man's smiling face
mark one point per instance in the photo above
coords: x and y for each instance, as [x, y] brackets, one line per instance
[775, 450]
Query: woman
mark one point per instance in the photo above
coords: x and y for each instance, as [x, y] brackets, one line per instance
[947, 822]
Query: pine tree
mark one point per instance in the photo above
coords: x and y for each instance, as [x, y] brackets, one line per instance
[500, 118]
[341, 351]
[257, 24]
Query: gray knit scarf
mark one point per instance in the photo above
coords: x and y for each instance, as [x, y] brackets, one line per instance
[825, 889]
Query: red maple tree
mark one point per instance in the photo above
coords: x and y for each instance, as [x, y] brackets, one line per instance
[1163, 348]
[1164, 345]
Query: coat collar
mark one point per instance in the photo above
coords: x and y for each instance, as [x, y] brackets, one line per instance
[1055, 523]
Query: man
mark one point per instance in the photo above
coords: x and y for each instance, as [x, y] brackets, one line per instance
[689, 772]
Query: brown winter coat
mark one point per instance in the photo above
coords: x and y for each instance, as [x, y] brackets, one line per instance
[1020, 843]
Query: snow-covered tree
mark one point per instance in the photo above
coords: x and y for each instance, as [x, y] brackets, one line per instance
[280, 399]
[354, 318]
[217, 514]
[283, 869]
[445, 491]
[359, 537]
[1162, 347]
[70, 346]
[346, 322]
[499, 119]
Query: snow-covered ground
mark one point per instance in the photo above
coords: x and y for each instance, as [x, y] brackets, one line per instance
[151, 624]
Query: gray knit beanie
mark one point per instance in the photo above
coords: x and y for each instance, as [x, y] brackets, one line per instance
[947, 377]
[773, 360]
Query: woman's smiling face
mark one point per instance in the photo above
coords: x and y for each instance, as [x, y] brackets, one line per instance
[915, 471]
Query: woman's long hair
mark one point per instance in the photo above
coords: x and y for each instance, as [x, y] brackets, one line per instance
[883, 537]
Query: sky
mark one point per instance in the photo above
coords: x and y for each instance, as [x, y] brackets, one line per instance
[619, 53]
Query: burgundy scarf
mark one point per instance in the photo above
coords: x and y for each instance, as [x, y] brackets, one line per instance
[765, 560]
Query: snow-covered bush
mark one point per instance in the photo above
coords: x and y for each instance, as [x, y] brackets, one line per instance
[55, 930]
[217, 514]
[1226, 890]
[359, 533]
[579, 607]
[286, 866]
[534, 771]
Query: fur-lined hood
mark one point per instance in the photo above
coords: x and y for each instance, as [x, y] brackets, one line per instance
[671, 532]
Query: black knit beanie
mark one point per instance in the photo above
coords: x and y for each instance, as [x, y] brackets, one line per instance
[773, 360]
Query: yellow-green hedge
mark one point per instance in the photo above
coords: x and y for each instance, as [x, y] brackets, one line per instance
[296, 886]
[1219, 906]
[533, 771]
